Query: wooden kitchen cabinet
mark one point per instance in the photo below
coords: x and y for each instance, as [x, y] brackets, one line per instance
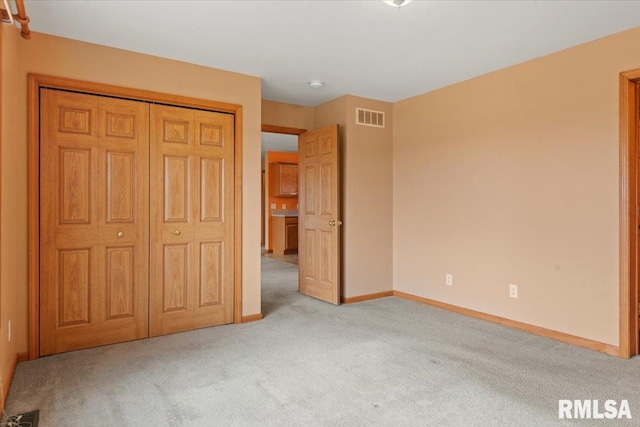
[291, 235]
[285, 179]
[285, 235]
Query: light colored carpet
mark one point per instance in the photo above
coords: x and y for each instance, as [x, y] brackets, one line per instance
[387, 362]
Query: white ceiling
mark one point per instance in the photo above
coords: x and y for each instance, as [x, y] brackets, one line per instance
[279, 142]
[357, 47]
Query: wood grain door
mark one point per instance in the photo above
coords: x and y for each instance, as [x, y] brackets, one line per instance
[93, 221]
[319, 214]
[636, 297]
[192, 219]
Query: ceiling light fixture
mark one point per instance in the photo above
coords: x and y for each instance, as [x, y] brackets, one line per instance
[397, 3]
[316, 84]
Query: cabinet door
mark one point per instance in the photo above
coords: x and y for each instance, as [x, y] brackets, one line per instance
[291, 232]
[286, 179]
[289, 180]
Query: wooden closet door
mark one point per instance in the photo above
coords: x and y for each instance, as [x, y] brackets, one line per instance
[93, 221]
[192, 219]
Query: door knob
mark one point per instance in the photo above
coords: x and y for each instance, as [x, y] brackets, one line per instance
[120, 234]
[177, 232]
[333, 223]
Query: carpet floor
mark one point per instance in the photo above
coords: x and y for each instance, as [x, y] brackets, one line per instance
[386, 362]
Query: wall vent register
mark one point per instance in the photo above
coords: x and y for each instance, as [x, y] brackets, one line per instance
[369, 117]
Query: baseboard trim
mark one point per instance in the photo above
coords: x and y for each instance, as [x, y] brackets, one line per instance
[252, 318]
[367, 297]
[536, 330]
[19, 357]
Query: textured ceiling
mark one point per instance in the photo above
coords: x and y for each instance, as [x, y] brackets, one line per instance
[363, 48]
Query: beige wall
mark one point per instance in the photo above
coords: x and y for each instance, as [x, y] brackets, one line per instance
[368, 202]
[366, 191]
[512, 177]
[55, 56]
[287, 115]
[13, 224]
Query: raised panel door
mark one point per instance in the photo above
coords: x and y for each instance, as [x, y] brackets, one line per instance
[319, 224]
[93, 221]
[214, 195]
[192, 221]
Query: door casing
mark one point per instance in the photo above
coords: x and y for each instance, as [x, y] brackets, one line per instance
[37, 81]
[629, 187]
[299, 131]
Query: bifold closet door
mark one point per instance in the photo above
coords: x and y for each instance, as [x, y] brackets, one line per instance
[192, 219]
[94, 220]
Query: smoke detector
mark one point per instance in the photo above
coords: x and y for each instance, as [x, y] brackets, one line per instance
[316, 84]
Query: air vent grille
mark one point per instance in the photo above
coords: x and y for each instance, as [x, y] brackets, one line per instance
[369, 117]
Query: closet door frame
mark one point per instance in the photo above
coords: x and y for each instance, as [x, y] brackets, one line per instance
[37, 81]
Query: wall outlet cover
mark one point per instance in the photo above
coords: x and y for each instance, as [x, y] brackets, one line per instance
[513, 291]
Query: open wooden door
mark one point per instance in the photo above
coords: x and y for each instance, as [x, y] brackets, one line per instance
[319, 214]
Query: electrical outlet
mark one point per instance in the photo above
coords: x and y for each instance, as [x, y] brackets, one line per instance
[273, 205]
[513, 291]
[449, 280]
[284, 206]
[9, 331]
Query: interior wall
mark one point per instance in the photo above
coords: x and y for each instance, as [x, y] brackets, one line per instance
[366, 194]
[289, 202]
[512, 178]
[13, 223]
[287, 115]
[368, 201]
[45, 54]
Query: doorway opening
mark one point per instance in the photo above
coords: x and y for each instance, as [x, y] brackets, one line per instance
[279, 218]
[312, 184]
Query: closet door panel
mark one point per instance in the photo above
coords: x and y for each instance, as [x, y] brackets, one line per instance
[191, 200]
[214, 222]
[172, 228]
[124, 219]
[93, 221]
